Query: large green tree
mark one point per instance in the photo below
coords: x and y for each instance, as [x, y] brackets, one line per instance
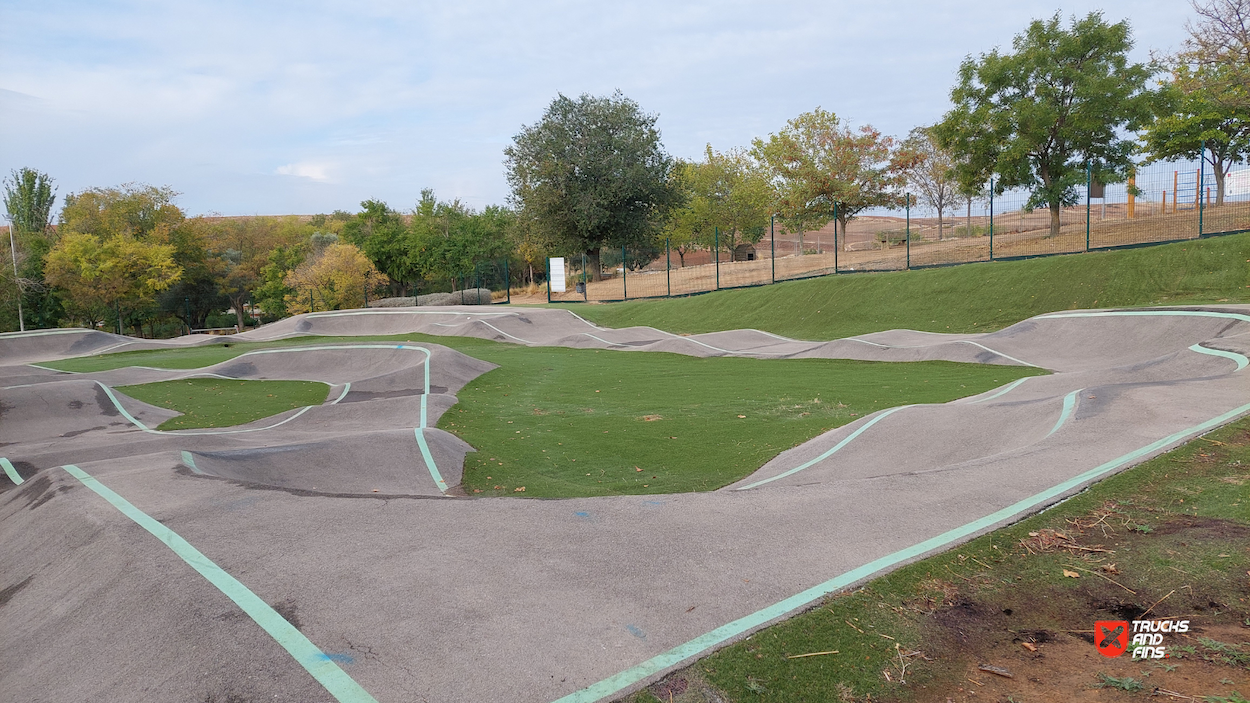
[118, 247]
[384, 237]
[1033, 117]
[728, 193]
[1204, 116]
[593, 173]
[28, 199]
[451, 240]
[818, 161]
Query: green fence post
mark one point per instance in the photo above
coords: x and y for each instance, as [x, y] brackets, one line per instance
[668, 266]
[1202, 167]
[908, 232]
[477, 283]
[585, 290]
[991, 219]
[119, 315]
[547, 266]
[835, 237]
[416, 293]
[624, 282]
[718, 257]
[1089, 189]
[187, 302]
[507, 279]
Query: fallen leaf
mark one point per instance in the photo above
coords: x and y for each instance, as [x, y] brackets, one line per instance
[1071, 574]
[742, 416]
[1110, 568]
[519, 489]
[1029, 646]
[637, 469]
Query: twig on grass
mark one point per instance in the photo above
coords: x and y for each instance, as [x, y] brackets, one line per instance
[1143, 615]
[811, 654]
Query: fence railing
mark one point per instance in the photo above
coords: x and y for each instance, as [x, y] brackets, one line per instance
[1161, 203]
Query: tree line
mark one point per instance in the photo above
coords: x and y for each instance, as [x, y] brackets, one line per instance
[591, 178]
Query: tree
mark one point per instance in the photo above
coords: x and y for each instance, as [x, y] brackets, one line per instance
[141, 211]
[28, 200]
[1205, 115]
[272, 293]
[99, 273]
[817, 161]
[336, 278]
[450, 239]
[117, 246]
[592, 173]
[382, 235]
[729, 193]
[1034, 118]
[932, 172]
[1221, 36]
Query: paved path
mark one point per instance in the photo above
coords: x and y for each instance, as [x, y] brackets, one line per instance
[212, 566]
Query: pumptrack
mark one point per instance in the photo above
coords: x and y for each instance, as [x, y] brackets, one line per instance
[326, 553]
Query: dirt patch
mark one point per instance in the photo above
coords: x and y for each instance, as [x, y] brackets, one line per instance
[1041, 631]
[1071, 669]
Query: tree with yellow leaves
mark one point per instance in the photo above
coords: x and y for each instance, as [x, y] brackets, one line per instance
[332, 279]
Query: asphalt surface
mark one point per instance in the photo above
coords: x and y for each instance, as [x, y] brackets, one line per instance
[324, 554]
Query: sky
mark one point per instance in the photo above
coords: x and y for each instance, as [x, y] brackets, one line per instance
[263, 108]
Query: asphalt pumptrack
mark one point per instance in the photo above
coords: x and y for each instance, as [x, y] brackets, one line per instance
[327, 553]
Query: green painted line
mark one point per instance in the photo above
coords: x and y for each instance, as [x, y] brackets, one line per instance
[346, 387]
[1069, 404]
[830, 452]
[308, 655]
[1005, 390]
[1157, 313]
[724, 633]
[44, 333]
[10, 471]
[49, 368]
[1241, 359]
[189, 462]
[429, 460]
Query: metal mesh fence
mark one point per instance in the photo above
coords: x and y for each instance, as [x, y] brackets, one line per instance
[1162, 202]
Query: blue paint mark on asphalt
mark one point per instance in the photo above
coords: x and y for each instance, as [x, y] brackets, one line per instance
[338, 658]
[582, 514]
[652, 503]
[636, 631]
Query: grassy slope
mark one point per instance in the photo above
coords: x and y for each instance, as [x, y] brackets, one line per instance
[1174, 527]
[967, 298]
[582, 422]
[215, 402]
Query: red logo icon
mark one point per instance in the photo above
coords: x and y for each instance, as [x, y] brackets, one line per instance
[1111, 637]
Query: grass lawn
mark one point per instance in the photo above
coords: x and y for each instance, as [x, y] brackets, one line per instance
[215, 402]
[1173, 532]
[967, 298]
[583, 422]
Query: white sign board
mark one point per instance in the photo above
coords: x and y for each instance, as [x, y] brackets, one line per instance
[557, 274]
[1237, 182]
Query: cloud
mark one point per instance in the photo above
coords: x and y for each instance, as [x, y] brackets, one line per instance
[382, 99]
[306, 169]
